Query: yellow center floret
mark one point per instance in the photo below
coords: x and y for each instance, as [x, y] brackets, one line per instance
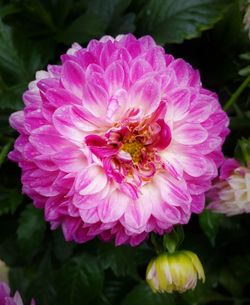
[134, 148]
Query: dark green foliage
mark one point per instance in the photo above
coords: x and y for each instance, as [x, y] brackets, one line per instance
[207, 33]
[210, 223]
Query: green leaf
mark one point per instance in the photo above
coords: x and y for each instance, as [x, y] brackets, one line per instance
[124, 24]
[240, 265]
[80, 280]
[95, 21]
[245, 56]
[10, 199]
[39, 11]
[142, 294]
[9, 60]
[31, 229]
[113, 290]
[230, 282]
[19, 279]
[203, 294]
[244, 71]
[11, 98]
[210, 223]
[5, 149]
[44, 274]
[62, 249]
[121, 260]
[242, 150]
[8, 10]
[172, 21]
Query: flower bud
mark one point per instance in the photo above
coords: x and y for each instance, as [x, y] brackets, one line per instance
[176, 271]
[230, 193]
[4, 270]
[246, 19]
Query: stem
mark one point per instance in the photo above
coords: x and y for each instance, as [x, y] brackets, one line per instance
[237, 93]
[157, 243]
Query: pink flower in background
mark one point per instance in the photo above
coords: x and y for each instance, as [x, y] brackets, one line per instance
[230, 193]
[118, 141]
[6, 299]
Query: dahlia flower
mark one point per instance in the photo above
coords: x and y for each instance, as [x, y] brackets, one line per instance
[178, 271]
[230, 193]
[6, 299]
[118, 141]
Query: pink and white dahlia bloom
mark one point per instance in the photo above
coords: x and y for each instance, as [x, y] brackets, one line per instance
[230, 193]
[6, 299]
[118, 141]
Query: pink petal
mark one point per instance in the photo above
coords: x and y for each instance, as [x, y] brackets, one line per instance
[198, 203]
[89, 215]
[183, 71]
[85, 120]
[189, 134]
[145, 95]
[70, 160]
[166, 215]
[45, 84]
[200, 112]
[210, 145]
[121, 54]
[17, 121]
[114, 76]
[174, 192]
[193, 164]
[105, 57]
[47, 140]
[63, 123]
[91, 181]
[17, 299]
[4, 291]
[180, 100]
[113, 207]
[139, 68]
[155, 57]
[32, 99]
[99, 147]
[95, 98]
[34, 119]
[59, 97]
[85, 58]
[228, 167]
[137, 214]
[146, 42]
[73, 78]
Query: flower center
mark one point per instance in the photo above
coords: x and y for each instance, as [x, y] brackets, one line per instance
[134, 148]
[129, 151]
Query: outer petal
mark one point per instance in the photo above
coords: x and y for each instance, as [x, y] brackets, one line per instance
[189, 133]
[113, 207]
[137, 215]
[145, 95]
[73, 78]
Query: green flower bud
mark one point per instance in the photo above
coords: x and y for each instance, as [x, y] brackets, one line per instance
[176, 271]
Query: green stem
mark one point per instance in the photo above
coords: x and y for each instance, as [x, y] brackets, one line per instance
[237, 93]
[157, 243]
